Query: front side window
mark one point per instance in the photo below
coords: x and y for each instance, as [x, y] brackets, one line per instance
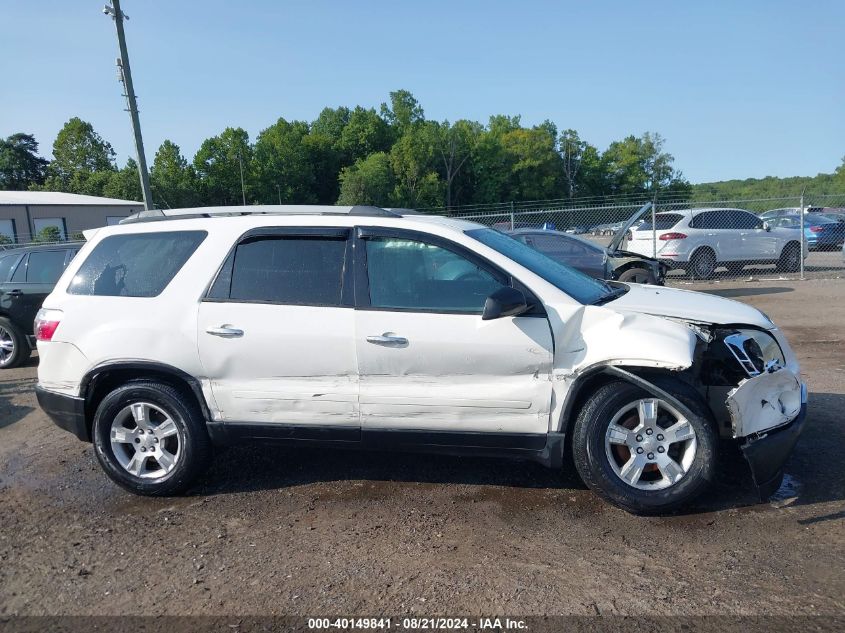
[45, 267]
[135, 265]
[7, 263]
[408, 274]
[744, 220]
[294, 270]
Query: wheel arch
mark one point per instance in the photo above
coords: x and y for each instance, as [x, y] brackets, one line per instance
[702, 247]
[103, 378]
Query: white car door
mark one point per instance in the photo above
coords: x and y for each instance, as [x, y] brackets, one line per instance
[756, 243]
[428, 363]
[277, 332]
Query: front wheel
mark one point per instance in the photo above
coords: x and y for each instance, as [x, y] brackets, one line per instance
[637, 276]
[790, 258]
[640, 452]
[151, 438]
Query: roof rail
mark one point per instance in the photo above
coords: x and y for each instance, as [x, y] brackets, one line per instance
[157, 215]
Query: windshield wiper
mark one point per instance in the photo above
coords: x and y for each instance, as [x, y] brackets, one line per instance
[610, 296]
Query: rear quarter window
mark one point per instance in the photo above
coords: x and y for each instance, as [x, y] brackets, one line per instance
[135, 265]
[662, 221]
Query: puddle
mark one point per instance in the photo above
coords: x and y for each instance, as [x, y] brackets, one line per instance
[788, 492]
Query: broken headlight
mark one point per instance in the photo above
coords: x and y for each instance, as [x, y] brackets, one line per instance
[754, 350]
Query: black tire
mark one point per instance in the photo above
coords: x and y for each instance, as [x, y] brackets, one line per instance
[593, 464]
[703, 264]
[195, 445]
[10, 334]
[633, 274]
[790, 258]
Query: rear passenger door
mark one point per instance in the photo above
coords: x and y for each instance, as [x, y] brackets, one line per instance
[715, 229]
[276, 333]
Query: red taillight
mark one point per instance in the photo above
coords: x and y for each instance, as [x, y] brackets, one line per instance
[46, 322]
[672, 236]
[816, 229]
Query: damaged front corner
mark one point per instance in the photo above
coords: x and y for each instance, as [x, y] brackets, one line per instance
[764, 402]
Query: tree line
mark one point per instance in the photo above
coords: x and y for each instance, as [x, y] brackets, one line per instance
[391, 157]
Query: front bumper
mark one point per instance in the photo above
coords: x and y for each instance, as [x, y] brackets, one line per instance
[66, 412]
[766, 454]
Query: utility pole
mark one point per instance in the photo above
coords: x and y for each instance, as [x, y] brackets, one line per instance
[125, 76]
[241, 164]
[279, 189]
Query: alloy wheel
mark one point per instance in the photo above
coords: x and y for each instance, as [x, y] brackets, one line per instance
[145, 441]
[7, 347]
[650, 445]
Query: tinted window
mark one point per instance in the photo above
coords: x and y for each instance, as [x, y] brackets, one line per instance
[744, 220]
[136, 265]
[45, 267]
[414, 275]
[712, 220]
[7, 263]
[662, 221]
[292, 270]
[576, 284]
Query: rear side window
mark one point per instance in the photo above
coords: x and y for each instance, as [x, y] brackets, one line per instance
[662, 221]
[300, 270]
[135, 265]
[45, 267]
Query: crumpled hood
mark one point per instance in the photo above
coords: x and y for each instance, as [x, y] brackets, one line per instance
[689, 305]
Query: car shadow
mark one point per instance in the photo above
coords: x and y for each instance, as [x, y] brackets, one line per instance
[815, 471]
[745, 292]
[10, 412]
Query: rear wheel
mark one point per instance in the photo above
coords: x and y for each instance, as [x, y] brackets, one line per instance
[151, 438]
[790, 258]
[637, 276]
[703, 264]
[14, 348]
[640, 452]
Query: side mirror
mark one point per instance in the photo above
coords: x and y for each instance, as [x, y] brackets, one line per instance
[504, 302]
[767, 226]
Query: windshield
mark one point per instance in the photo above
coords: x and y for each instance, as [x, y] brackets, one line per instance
[576, 284]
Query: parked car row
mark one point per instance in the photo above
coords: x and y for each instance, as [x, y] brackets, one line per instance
[27, 276]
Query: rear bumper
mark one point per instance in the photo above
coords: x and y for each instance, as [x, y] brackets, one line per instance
[66, 412]
[767, 455]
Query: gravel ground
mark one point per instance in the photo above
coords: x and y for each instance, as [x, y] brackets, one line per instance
[279, 531]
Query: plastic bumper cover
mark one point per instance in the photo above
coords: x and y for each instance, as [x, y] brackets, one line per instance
[66, 412]
[766, 455]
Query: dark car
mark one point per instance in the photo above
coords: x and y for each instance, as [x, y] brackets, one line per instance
[593, 259]
[821, 231]
[27, 276]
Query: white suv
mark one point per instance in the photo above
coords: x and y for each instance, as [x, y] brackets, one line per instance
[366, 327]
[700, 240]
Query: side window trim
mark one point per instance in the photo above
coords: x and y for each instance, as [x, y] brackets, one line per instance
[347, 299]
[362, 283]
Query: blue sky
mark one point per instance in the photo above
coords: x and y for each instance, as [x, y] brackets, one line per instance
[739, 89]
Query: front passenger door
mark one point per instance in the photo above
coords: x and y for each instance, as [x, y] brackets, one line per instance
[428, 364]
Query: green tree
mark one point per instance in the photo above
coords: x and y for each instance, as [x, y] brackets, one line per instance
[218, 165]
[536, 171]
[48, 234]
[364, 134]
[80, 157]
[282, 164]
[455, 145]
[368, 181]
[414, 161]
[638, 165]
[20, 165]
[403, 112]
[124, 183]
[173, 181]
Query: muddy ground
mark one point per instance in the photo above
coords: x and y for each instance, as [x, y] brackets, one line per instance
[277, 531]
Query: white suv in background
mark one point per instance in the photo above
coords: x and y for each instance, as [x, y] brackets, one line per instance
[701, 240]
[364, 327]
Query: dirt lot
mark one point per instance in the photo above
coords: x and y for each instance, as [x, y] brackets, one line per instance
[276, 531]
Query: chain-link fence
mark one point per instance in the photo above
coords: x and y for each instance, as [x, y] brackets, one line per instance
[727, 239]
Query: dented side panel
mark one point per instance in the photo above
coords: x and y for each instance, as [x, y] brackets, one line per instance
[456, 372]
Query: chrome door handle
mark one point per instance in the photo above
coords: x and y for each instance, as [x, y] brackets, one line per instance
[225, 331]
[15, 293]
[387, 339]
